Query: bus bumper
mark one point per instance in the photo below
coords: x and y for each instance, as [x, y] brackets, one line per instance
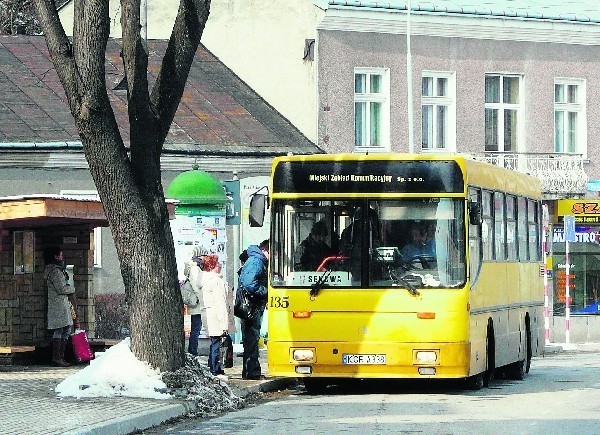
[371, 360]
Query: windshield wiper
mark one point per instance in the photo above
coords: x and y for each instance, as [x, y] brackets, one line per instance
[400, 280]
[317, 286]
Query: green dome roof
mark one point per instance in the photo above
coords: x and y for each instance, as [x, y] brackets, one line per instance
[197, 187]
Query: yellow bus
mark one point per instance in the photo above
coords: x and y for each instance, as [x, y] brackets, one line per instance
[403, 266]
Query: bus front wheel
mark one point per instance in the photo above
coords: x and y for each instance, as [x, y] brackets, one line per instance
[315, 385]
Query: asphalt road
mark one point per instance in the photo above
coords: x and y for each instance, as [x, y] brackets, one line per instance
[560, 395]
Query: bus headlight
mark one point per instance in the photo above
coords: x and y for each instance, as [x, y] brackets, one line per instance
[303, 354]
[426, 357]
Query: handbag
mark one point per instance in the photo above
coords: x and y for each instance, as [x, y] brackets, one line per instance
[82, 351]
[226, 351]
[244, 307]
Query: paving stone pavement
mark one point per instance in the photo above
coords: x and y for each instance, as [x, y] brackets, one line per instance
[29, 405]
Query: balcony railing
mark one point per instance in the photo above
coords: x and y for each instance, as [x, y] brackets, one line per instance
[560, 174]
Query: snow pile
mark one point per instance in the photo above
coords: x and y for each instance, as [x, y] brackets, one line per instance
[117, 372]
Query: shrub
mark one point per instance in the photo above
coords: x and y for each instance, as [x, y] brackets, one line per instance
[112, 316]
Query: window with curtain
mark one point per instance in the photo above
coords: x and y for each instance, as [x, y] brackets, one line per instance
[569, 116]
[438, 92]
[371, 109]
[502, 112]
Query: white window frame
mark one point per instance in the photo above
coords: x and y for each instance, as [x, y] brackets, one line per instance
[501, 107]
[90, 194]
[384, 98]
[580, 108]
[449, 100]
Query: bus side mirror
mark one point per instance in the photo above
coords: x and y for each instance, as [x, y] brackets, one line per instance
[258, 205]
[475, 214]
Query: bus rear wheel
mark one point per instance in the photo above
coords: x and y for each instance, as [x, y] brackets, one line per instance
[475, 382]
[518, 369]
[315, 385]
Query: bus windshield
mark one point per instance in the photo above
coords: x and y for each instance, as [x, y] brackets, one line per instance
[375, 243]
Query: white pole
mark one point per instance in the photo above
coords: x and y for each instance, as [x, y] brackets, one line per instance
[236, 265]
[411, 144]
[546, 296]
[545, 229]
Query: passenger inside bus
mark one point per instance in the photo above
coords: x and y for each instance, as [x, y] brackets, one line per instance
[311, 252]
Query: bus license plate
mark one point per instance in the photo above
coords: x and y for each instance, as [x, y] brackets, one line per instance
[350, 358]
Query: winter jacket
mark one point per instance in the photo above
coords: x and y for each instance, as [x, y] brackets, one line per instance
[194, 274]
[253, 276]
[59, 306]
[214, 290]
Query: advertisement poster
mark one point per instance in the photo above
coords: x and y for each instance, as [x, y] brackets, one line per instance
[24, 252]
[189, 232]
[207, 232]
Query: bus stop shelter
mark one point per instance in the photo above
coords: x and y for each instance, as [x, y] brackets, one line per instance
[28, 224]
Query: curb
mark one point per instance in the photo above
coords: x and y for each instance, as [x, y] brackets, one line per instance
[262, 387]
[550, 349]
[146, 420]
[137, 422]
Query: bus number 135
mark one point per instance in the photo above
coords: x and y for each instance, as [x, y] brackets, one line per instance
[279, 302]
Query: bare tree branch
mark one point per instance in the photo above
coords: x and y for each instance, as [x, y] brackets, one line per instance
[184, 41]
[135, 61]
[61, 52]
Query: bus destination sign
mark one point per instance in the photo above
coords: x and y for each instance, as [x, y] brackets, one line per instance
[371, 176]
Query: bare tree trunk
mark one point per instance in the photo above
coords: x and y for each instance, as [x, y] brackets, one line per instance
[129, 183]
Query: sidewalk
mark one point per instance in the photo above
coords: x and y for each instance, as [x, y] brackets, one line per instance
[30, 406]
[571, 347]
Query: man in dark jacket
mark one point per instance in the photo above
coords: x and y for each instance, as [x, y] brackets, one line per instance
[253, 278]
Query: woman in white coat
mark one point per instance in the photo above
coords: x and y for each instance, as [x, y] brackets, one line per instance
[214, 292]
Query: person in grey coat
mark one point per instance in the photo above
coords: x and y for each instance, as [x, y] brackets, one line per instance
[62, 305]
[193, 272]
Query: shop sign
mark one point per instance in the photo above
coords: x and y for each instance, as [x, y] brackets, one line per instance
[584, 210]
[582, 235]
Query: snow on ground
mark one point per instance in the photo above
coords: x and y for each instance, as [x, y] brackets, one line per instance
[117, 372]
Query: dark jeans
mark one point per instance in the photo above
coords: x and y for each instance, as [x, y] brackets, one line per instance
[213, 356]
[250, 337]
[195, 334]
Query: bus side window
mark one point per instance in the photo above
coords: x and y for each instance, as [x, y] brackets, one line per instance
[475, 227]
